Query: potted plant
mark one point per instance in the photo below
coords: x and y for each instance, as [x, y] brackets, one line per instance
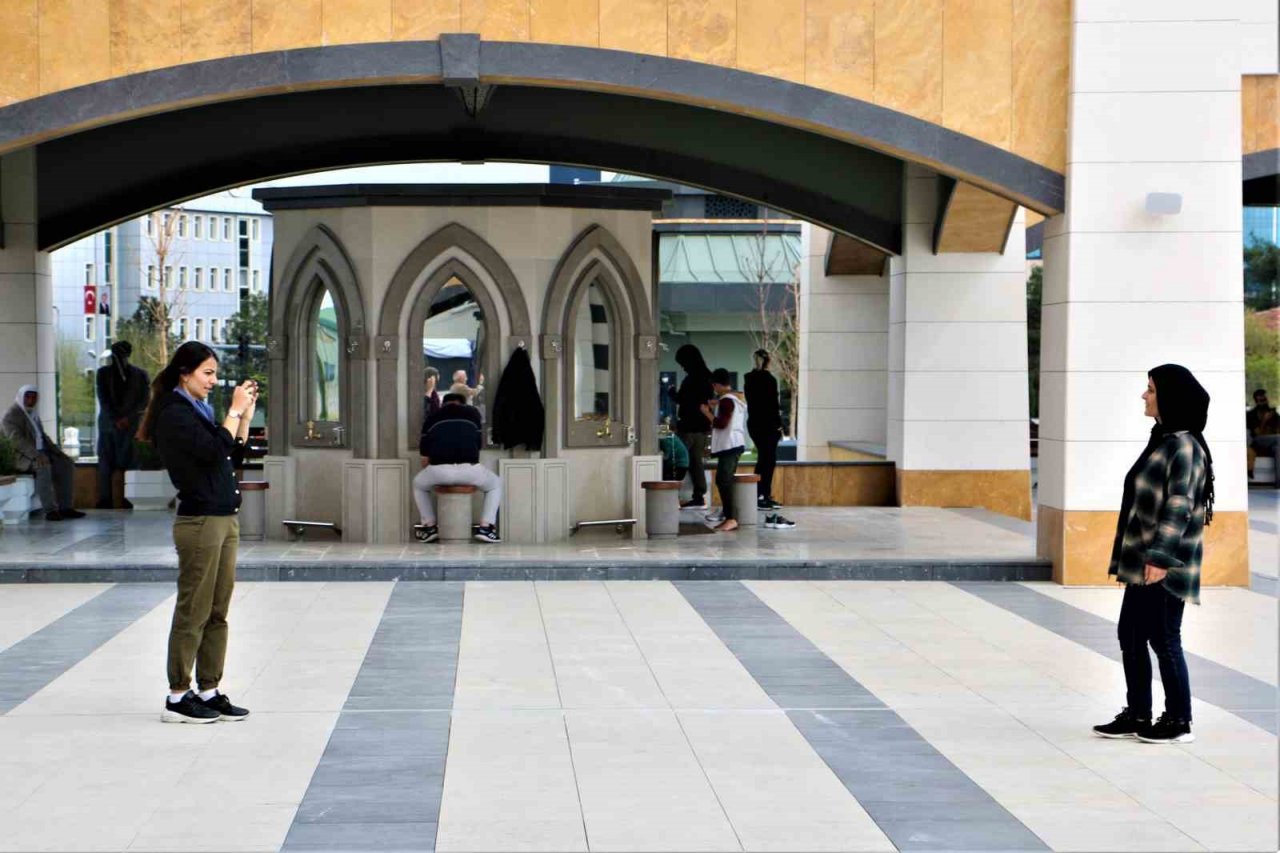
[148, 487]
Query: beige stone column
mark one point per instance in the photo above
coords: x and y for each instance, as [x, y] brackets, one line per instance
[1131, 284]
[27, 333]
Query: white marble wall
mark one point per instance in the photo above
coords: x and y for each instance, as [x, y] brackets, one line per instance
[27, 333]
[1260, 36]
[844, 355]
[957, 347]
[1154, 107]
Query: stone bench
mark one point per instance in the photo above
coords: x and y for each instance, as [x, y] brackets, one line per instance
[661, 508]
[18, 498]
[453, 512]
[744, 498]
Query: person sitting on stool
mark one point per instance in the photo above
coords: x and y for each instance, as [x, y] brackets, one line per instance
[450, 449]
[38, 454]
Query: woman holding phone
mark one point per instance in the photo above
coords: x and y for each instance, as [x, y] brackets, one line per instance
[201, 456]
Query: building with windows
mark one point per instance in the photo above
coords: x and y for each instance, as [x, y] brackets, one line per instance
[210, 252]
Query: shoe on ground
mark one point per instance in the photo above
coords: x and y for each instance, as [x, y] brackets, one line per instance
[777, 522]
[126, 504]
[702, 504]
[1126, 724]
[72, 513]
[714, 517]
[222, 706]
[1167, 729]
[767, 503]
[487, 533]
[54, 515]
[188, 709]
[426, 532]
[104, 505]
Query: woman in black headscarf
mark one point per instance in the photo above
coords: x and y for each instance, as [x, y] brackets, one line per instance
[693, 424]
[1167, 503]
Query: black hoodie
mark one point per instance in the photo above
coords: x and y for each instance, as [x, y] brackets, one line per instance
[695, 391]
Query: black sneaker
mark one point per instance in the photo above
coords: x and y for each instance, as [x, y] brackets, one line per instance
[1167, 729]
[426, 532]
[1125, 724]
[54, 515]
[188, 709]
[777, 522]
[222, 706]
[487, 534]
[694, 504]
[767, 503]
[104, 505]
[126, 504]
[72, 513]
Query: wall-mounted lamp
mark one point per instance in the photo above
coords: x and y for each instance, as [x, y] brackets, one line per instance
[1164, 204]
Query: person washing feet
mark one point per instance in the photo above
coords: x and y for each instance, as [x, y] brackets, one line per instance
[728, 441]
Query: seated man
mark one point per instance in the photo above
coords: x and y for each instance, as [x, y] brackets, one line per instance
[1264, 431]
[450, 448]
[39, 454]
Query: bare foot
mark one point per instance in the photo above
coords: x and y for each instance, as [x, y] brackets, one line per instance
[727, 526]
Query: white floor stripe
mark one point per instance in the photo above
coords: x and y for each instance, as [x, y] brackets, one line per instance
[1041, 785]
[26, 608]
[1233, 627]
[503, 662]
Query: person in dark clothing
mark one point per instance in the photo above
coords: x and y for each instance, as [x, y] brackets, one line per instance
[692, 420]
[764, 425]
[450, 450]
[122, 397]
[430, 393]
[200, 456]
[1167, 503]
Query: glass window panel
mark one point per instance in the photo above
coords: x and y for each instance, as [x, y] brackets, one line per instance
[453, 342]
[593, 361]
[325, 374]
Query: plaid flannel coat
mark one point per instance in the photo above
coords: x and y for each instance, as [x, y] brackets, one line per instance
[1165, 526]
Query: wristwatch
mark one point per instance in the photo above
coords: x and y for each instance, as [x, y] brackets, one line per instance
[232, 413]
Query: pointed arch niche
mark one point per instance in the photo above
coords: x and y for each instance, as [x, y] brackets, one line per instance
[596, 268]
[453, 254]
[319, 387]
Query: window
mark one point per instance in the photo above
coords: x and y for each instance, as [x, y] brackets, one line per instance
[106, 326]
[88, 273]
[198, 283]
[88, 328]
[182, 328]
[165, 219]
[592, 362]
[151, 277]
[149, 224]
[108, 257]
[199, 328]
[197, 227]
[226, 228]
[215, 329]
[256, 233]
[182, 278]
[244, 243]
[244, 279]
[168, 277]
[226, 279]
[182, 225]
[324, 361]
[257, 282]
[597, 351]
[720, 207]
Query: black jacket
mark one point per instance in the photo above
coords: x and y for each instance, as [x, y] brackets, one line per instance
[123, 396]
[763, 412]
[452, 436]
[695, 391]
[518, 416]
[200, 457]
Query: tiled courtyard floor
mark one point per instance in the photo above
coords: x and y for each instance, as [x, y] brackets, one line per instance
[632, 715]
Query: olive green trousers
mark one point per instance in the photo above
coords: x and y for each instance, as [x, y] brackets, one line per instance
[206, 576]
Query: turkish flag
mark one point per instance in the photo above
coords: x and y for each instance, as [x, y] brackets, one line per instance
[90, 299]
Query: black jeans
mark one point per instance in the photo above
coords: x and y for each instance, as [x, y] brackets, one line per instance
[726, 468]
[696, 444]
[766, 442]
[1150, 615]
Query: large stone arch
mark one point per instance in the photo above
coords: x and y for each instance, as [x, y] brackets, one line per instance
[318, 260]
[614, 109]
[453, 250]
[597, 255]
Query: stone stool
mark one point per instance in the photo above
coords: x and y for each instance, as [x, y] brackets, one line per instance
[453, 512]
[744, 498]
[661, 508]
[253, 510]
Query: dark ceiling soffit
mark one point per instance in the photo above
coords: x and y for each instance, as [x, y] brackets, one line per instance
[711, 227]
[1035, 237]
[1261, 164]
[1262, 178]
[946, 192]
[865, 258]
[460, 195]
[94, 178]
[839, 116]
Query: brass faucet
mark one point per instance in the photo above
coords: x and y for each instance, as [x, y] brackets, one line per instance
[605, 431]
[312, 435]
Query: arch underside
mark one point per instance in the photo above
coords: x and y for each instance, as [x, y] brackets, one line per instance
[116, 149]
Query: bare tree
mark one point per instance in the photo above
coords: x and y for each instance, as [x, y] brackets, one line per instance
[162, 230]
[777, 330]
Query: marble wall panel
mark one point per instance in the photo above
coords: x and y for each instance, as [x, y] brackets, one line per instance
[565, 22]
[908, 56]
[75, 43]
[840, 46]
[424, 20]
[19, 50]
[499, 20]
[703, 30]
[771, 38]
[355, 21]
[1248, 112]
[145, 35]
[286, 24]
[1005, 492]
[1041, 70]
[1267, 129]
[977, 79]
[212, 30]
[639, 26]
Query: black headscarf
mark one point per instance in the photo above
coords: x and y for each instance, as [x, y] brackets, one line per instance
[1183, 404]
[690, 358]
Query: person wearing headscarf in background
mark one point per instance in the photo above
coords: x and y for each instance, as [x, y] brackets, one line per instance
[430, 392]
[1167, 503]
[123, 389]
[39, 454]
[764, 425]
[692, 422]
